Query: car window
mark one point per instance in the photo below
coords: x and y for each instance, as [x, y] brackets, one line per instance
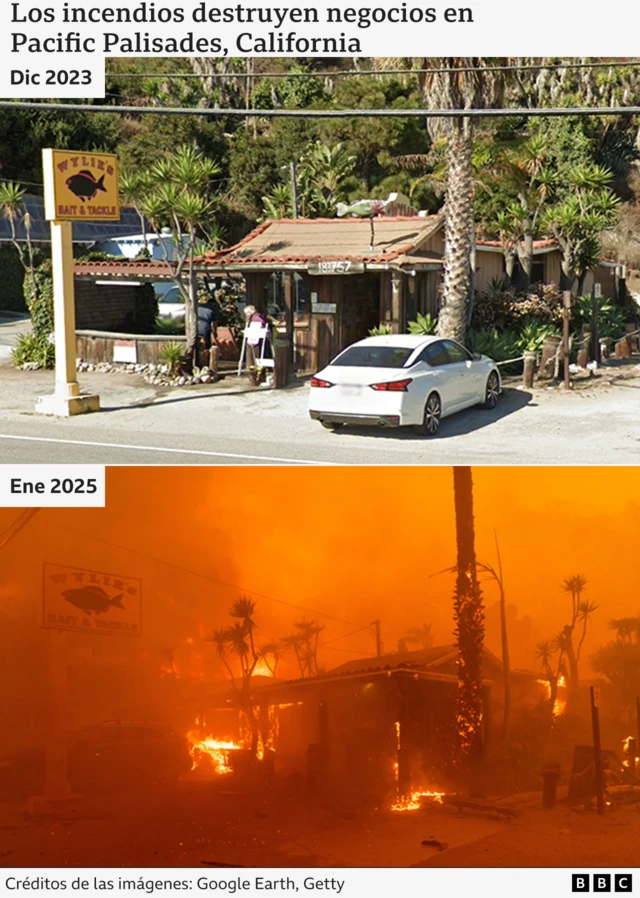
[456, 352]
[434, 355]
[374, 356]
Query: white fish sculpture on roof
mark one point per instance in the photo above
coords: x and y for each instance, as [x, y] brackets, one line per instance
[361, 208]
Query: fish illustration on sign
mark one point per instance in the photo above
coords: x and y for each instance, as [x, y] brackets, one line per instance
[85, 186]
[93, 598]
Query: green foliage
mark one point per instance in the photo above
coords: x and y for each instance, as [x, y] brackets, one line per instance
[32, 347]
[498, 345]
[381, 330]
[12, 277]
[424, 324]
[169, 327]
[41, 308]
[172, 355]
[611, 319]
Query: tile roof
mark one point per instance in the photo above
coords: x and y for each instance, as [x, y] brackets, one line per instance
[286, 241]
[537, 244]
[124, 269]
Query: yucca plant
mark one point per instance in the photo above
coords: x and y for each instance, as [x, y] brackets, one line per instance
[172, 355]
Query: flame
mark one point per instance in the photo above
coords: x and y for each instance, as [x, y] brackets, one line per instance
[216, 750]
[547, 688]
[262, 669]
[559, 707]
[413, 802]
[562, 680]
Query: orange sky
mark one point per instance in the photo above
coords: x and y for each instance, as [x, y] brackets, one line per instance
[355, 543]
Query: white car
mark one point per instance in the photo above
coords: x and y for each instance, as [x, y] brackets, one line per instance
[171, 304]
[400, 380]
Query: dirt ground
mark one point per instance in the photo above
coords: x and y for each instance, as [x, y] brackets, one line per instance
[205, 823]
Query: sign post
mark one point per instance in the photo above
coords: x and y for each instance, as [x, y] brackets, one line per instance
[566, 310]
[78, 601]
[77, 187]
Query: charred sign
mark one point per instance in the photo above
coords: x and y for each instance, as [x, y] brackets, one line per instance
[91, 601]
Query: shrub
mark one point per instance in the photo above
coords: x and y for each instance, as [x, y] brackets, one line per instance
[381, 330]
[504, 309]
[172, 355]
[33, 348]
[611, 320]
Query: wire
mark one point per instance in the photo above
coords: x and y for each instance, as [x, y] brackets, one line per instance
[353, 73]
[540, 112]
[336, 638]
[209, 577]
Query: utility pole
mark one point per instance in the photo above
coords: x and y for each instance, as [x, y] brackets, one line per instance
[294, 187]
[376, 624]
[597, 753]
[566, 310]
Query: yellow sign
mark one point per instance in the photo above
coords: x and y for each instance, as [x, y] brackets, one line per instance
[91, 601]
[80, 186]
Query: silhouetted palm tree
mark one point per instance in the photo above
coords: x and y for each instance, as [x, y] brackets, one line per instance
[469, 619]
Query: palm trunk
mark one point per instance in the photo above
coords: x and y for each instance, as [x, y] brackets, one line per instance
[469, 618]
[452, 320]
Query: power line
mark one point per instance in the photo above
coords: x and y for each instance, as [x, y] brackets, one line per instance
[209, 577]
[353, 73]
[501, 112]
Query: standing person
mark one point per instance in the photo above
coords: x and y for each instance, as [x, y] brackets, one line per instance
[257, 319]
[208, 317]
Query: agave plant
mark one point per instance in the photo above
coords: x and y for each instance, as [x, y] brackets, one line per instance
[423, 325]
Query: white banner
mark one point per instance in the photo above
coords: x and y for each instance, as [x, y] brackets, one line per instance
[56, 48]
[52, 486]
[346, 882]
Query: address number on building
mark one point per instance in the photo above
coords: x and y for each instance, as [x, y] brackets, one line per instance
[336, 266]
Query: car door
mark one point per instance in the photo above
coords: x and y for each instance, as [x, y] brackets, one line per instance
[463, 377]
[439, 375]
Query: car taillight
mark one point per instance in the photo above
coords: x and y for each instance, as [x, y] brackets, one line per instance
[393, 386]
[318, 382]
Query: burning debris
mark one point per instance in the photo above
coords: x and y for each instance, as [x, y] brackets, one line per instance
[211, 753]
[417, 800]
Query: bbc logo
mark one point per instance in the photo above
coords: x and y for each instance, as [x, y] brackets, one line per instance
[622, 882]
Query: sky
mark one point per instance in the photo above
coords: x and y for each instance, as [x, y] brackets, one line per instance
[345, 546]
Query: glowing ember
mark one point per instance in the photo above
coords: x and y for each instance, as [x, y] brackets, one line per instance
[562, 680]
[413, 802]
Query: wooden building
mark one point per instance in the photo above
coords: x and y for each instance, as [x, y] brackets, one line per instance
[331, 280]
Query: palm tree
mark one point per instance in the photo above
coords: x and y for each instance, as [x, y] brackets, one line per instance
[134, 188]
[469, 619]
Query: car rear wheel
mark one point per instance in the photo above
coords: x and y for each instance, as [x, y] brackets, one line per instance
[492, 391]
[331, 425]
[431, 417]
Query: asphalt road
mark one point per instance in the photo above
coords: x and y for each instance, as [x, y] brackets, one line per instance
[230, 423]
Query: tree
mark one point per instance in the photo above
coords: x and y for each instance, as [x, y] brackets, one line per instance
[13, 209]
[178, 197]
[134, 189]
[619, 661]
[469, 620]
[563, 644]
[238, 640]
[458, 89]
[304, 643]
[578, 218]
